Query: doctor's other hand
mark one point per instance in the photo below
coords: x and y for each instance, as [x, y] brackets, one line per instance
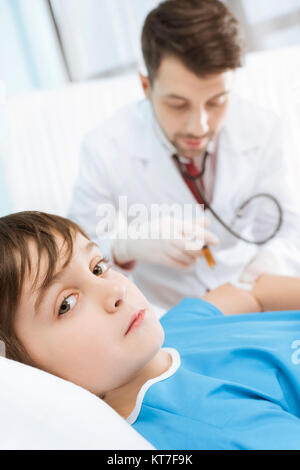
[264, 263]
[180, 250]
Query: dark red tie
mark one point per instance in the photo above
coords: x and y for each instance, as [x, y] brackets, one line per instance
[192, 170]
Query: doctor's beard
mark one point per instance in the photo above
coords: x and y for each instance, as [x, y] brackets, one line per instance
[195, 149]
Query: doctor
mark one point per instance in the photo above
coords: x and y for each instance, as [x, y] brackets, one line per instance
[191, 50]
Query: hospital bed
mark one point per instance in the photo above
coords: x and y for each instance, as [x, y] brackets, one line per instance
[39, 410]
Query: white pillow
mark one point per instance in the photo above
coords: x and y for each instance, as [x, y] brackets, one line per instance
[41, 411]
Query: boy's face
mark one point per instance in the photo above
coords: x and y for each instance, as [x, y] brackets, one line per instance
[79, 330]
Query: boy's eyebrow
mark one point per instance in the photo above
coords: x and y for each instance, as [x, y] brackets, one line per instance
[55, 278]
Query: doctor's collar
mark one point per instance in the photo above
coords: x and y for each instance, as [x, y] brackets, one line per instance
[162, 137]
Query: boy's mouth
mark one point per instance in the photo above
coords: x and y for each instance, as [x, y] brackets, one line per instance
[136, 320]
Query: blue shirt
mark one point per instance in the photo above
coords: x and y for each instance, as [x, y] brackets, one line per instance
[237, 386]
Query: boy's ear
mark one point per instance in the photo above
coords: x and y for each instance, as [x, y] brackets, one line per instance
[145, 84]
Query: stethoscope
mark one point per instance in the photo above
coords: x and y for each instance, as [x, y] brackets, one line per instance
[197, 179]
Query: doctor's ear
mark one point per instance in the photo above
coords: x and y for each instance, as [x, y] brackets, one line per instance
[145, 84]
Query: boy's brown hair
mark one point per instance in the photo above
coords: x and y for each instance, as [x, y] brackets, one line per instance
[16, 231]
[203, 34]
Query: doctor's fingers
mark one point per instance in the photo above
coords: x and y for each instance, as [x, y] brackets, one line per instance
[192, 245]
[192, 251]
[177, 263]
[177, 251]
[194, 225]
[210, 238]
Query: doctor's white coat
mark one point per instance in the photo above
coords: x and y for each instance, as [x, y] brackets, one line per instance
[124, 157]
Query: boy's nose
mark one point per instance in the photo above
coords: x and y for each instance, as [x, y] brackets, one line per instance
[114, 296]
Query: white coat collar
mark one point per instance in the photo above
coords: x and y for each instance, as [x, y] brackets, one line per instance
[148, 142]
[161, 136]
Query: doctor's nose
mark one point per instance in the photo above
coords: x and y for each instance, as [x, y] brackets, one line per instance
[198, 123]
[114, 295]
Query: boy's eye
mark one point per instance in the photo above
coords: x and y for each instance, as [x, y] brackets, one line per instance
[67, 304]
[100, 267]
[70, 301]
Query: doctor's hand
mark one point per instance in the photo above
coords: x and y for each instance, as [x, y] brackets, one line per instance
[179, 251]
[264, 263]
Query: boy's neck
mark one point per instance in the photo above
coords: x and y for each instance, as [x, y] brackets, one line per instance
[123, 399]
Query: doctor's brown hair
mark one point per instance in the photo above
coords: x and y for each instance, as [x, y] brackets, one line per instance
[16, 232]
[203, 34]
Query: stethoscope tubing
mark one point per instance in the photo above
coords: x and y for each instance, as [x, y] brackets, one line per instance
[219, 219]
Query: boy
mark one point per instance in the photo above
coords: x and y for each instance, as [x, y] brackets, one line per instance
[218, 382]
